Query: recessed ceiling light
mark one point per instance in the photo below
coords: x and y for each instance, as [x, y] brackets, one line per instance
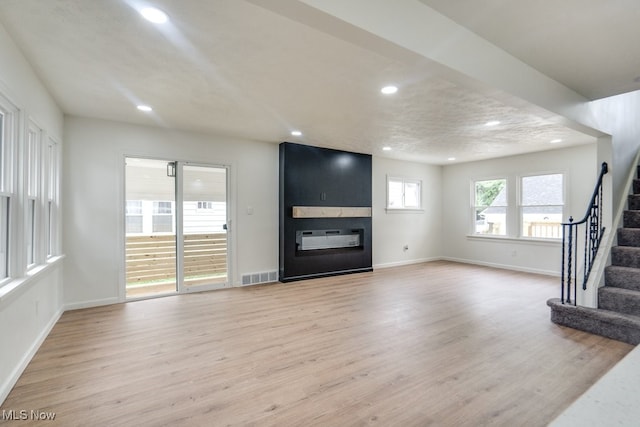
[451, 159]
[555, 141]
[389, 90]
[154, 15]
[144, 108]
[492, 123]
[296, 133]
[386, 148]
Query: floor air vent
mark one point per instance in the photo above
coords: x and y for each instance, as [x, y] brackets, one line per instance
[263, 277]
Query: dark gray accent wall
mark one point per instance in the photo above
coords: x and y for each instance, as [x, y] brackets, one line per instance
[312, 176]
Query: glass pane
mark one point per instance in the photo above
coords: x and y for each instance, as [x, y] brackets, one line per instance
[134, 219]
[51, 228]
[491, 192]
[162, 207]
[542, 221]
[542, 190]
[412, 195]
[162, 224]
[32, 164]
[31, 234]
[134, 207]
[4, 236]
[134, 224]
[395, 194]
[3, 154]
[53, 171]
[204, 225]
[491, 220]
[150, 239]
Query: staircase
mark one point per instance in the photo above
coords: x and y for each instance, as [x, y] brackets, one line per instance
[618, 312]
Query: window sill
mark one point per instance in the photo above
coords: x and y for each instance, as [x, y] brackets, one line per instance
[504, 239]
[402, 210]
[12, 286]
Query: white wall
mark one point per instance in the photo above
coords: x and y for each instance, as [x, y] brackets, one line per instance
[94, 186]
[421, 231]
[580, 165]
[620, 117]
[34, 304]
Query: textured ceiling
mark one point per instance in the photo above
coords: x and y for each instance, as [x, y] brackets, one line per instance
[231, 67]
[587, 45]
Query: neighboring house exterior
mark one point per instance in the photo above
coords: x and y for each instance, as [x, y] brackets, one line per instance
[146, 217]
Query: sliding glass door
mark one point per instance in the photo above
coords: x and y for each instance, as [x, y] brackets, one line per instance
[204, 226]
[175, 227]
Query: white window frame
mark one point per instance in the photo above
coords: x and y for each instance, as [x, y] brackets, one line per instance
[404, 182]
[204, 205]
[522, 206]
[52, 174]
[157, 212]
[5, 203]
[33, 195]
[138, 214]
[29, 191]
[8, 187]
[475, 207]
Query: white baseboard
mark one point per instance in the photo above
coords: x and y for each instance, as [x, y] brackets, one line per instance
[93, 303]
[6, 387]
[503, 266]
[407, 262]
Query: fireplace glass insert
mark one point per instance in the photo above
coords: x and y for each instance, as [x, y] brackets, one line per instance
[332, 239]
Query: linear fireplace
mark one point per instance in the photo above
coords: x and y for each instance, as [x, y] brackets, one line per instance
[321, 240]
[325, 212]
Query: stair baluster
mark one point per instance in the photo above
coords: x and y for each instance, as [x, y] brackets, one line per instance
[617, 315]
[593, 231]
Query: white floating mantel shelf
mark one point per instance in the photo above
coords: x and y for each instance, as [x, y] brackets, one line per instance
[331, 212]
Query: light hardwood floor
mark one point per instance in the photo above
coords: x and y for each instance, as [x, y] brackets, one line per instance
[439, 344]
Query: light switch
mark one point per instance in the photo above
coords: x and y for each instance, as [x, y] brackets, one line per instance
[249, 210]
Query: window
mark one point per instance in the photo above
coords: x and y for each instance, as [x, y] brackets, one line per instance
[4, 203]
[162, 221]
[29, 185]
[4, 237]
[52, 198]
[8, 149]
[541, 206]
[134, 217]
[490, 207]
[404, 193]
[33, 176]
[205, 205]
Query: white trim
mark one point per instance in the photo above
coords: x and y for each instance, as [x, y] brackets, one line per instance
[407, 262]
[473, 206]
[504, 266]
[10, 382]
[91, 303]
[502, 239]
[15, 286]
[403, 210]
[230, 214]
[470, 262]
[404, 180]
